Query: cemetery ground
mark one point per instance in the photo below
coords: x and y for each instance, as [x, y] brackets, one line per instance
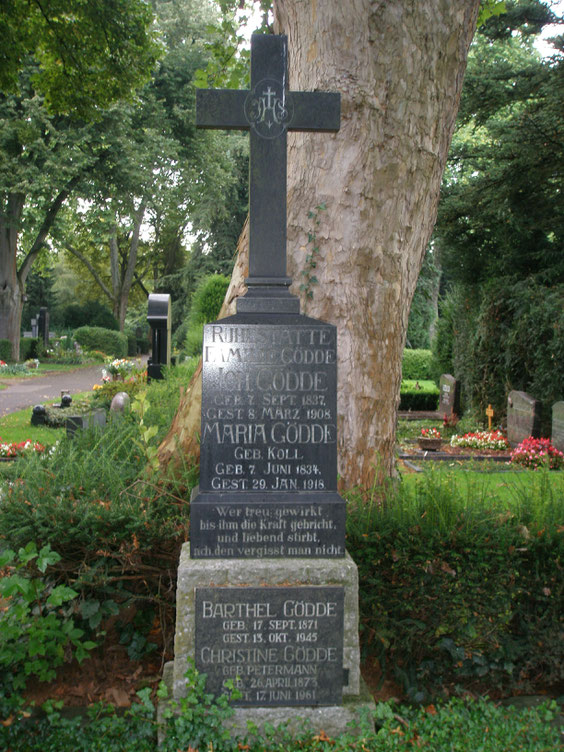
[460, 595]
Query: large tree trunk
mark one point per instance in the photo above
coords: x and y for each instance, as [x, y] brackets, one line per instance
[399, 67]
[11, 302]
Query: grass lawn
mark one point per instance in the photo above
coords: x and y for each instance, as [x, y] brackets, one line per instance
[47, 367]
[17, 427]
[474, 484]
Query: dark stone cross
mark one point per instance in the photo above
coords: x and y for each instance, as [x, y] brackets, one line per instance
[268, 110]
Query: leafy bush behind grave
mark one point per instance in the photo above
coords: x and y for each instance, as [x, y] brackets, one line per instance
[459, 591]
[417, 364]
[5, 350]
[501, 336]
[117, 530]
[106, 340]
[205, 307]
[29, 348]
[418, 395]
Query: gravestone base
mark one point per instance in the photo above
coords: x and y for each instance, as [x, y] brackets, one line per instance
[334, 720]
[273, 573]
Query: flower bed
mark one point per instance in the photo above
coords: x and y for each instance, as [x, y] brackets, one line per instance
[535, 453]
[430, 433]
[120, 367]
[481, 440]
[16, 449]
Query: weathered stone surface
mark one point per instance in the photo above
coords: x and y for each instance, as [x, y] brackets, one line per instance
[449, 397]
[268, 111]
[523, 417]
[279, 645]
[120, 402]
[194, 573]
[558, 425]
[334, 720]
[268, 463]
[74, 423]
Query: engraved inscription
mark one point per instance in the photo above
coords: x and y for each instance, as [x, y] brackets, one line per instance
[279, 646]
[269, 408]
[242, 530]
[269, 108]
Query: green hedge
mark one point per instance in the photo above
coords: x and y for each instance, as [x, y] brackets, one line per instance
[454, 594]
[106, 340]
[29, 348]
[205, 307]
[417, 364]
[419, 395]
[5, 350]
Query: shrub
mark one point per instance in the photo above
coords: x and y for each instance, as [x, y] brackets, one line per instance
[419, 395]
[5, 350]
[29, 348]
[208, 299]
[91, 313]
[108, 341]
[416, 364]
[205, 307]
[131, 344]
[458, 588]
[194, 339]
[34, 630]
[103, 394]
[118, 535]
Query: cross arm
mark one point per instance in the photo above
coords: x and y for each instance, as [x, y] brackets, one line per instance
[221, 108]
[316, 111]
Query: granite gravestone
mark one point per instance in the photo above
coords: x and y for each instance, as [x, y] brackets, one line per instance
[523, 417]
[449, 397]
[557, 435]
[43, 326]
[159, 319]
[268, 472]
[267, 595]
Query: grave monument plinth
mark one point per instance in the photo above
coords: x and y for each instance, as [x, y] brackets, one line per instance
[267, 595]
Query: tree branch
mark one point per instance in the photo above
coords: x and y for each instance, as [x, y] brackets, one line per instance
[90, 268]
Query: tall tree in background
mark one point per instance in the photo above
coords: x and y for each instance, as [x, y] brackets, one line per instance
[87, 55]
[139, 161]
[399, 67]
[78, 57]
[500, 225]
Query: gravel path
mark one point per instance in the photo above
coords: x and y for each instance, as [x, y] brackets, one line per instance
[26, 392]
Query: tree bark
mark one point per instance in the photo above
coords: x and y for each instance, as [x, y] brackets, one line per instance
[399, 67]
[11, 302]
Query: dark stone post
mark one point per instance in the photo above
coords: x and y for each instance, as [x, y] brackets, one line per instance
[159, 318]
[43, 326]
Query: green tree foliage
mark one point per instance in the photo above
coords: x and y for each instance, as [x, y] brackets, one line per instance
[500, 226]
[87, 54]
[423, 311]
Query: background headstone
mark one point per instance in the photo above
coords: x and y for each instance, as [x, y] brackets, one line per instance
[94, 419]
[43, 326]
[34, 328]
[523, 417]
[120, 402]
[558, 426]
[159, 319]
[449, 397]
